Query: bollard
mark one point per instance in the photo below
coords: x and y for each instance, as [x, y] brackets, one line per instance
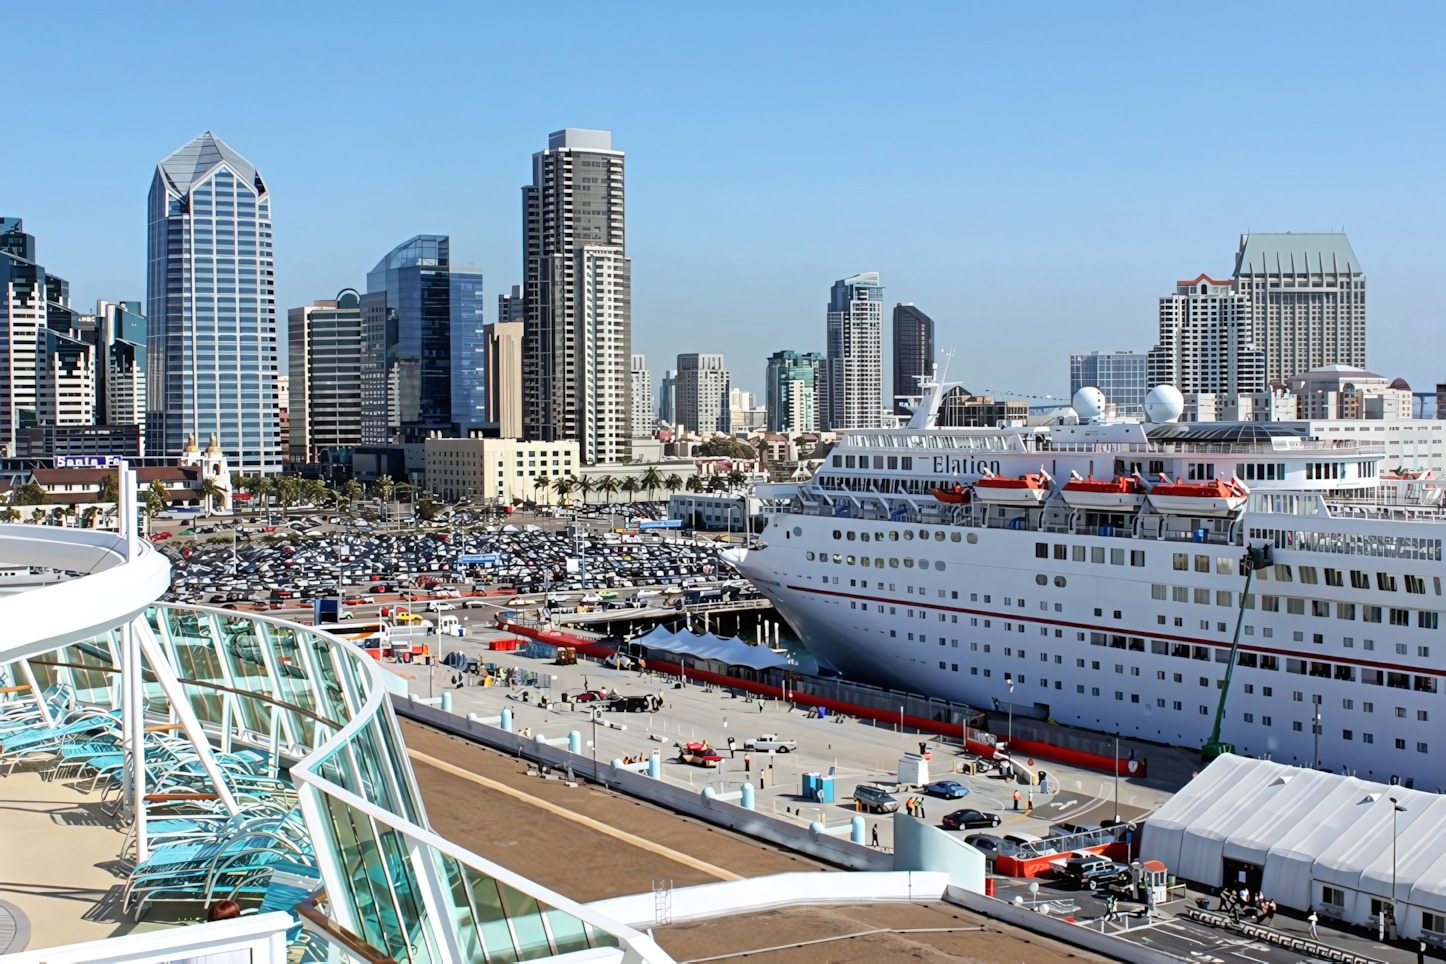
[856, 830]
[446, 701]
[507, 721]
[747, 801]
[655, 766]
[574, 742]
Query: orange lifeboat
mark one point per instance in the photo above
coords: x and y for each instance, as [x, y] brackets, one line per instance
[1198, 498]
[1125, 494]
[957, 495]
[1027, 491]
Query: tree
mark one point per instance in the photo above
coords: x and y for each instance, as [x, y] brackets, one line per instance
[211, 491]
[652, 481]
[630, 486]
[725, 448]
[31, 493]
[158, 498]
[109, 489]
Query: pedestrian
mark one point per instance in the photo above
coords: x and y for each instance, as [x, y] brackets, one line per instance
[1016, 799]
[1313, 921]
[876, 835]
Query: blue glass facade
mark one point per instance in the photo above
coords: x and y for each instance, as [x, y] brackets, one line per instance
[422, 369]
[211, 308]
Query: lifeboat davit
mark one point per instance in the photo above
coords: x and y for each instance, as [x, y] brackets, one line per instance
[1125, 494]
[1198, 498]
[1027, 491]
[956, 495]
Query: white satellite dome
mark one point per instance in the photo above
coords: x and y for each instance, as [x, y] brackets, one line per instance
[1089, 403]
[1164, 403]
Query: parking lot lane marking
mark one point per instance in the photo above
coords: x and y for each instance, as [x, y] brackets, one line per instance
[589, 822]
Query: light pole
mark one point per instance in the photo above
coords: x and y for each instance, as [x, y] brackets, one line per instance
[1395, 809]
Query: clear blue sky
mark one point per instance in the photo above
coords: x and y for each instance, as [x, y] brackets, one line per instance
[1033, 176]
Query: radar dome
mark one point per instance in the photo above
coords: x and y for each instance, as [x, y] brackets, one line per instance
[1089, 403]
[1164, 404]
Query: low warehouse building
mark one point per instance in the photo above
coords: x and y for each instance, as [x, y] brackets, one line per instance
[1310, 840]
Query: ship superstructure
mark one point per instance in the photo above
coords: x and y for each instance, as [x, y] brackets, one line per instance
[1091, 574]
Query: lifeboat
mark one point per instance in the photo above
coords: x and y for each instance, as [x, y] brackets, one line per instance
[1026, 491]
[1125, 494]
[1198, 498]
[957, 495]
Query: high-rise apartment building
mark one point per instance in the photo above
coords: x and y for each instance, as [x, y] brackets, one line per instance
[210, 308]
[855, 353]
[504, 373]
[1308, 301]
[121, 364]
[642, 397]
[1205, 341]
[913, 348]
[1121, 375]
[793, 383]
[324, 341]
[702, 393]
[577, 293]
[668, 397]
[422, 366]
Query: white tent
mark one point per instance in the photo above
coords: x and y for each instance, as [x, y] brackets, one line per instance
[1323, 841]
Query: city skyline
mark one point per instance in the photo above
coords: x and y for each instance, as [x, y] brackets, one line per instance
[1025, 239]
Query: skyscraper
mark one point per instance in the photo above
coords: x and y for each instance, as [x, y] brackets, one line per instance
[1121, 375]
[504, 374]
[1308, 301]
[792, 385]
[1205, 341]
[577, 291]
[210, 307]
[702, 393]
[422, 345]
[642, 397]
[325, 349]
[855, 353]
[913, 352]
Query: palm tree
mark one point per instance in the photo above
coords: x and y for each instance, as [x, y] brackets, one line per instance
[211, 491]
[652, 481]
[631, 487]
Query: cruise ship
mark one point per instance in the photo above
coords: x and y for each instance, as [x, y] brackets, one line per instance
[1090, 571]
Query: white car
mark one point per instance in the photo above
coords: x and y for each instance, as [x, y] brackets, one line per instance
[768, 742]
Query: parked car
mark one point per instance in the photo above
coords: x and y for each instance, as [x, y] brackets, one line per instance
[770, 741]
[948, 789]
[1093, 871]
[874, 799]
[970, 820]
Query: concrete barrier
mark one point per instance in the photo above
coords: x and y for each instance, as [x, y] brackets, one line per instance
[777, 890]
[842, 853]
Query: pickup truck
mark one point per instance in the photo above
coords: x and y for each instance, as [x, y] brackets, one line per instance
[769, 742]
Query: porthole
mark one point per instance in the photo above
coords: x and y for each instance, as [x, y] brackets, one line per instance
[810, 556]
[973, 538]
[1059, 581]
[1041, 580]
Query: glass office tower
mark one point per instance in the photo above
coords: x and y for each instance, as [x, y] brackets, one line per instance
[211, 308]
[423, 344]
